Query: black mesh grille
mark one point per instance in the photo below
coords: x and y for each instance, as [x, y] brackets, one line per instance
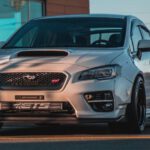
[38, 80]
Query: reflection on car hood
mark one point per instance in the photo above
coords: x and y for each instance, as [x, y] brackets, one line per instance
[85, 58]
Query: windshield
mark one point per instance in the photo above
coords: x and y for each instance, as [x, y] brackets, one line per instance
[70, 32]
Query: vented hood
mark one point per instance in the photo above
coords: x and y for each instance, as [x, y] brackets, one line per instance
[81, 57]
[43, 53]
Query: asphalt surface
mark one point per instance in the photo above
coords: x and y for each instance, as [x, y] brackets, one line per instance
[70, 138]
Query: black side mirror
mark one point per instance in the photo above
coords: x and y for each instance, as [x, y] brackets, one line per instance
[144, 45]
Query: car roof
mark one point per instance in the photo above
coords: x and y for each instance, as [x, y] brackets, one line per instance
[86, 16]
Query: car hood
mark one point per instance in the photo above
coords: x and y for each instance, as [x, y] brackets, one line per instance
[85, 58]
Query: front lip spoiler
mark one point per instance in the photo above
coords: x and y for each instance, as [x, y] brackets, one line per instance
[65, 119]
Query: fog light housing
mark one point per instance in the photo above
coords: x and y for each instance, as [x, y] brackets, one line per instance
[89, 96]
[107, 106]
[102, 101]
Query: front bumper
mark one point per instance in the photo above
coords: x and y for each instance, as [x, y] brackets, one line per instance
[73, 93]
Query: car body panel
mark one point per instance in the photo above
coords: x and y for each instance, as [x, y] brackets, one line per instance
[77, 61]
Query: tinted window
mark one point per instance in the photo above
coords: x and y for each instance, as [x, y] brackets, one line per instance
[70, 32]
[145, 33]
[136, 37]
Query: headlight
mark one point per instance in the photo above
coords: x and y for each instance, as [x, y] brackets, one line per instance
[99, 73]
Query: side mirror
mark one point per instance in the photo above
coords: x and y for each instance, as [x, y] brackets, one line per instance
[144, 46]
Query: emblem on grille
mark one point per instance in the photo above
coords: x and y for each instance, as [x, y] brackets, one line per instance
[55, 81]
[29, 77]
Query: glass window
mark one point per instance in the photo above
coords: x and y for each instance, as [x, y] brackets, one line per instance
[36, 8]
[136, 37]
[107, 37]
[145, 33]
[15, 13]
[71, 32]
[28, 39]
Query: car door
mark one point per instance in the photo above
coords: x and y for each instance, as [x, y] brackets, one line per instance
[139, 32]
[146, 63]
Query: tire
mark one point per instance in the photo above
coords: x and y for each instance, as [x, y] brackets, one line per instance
[136, 111]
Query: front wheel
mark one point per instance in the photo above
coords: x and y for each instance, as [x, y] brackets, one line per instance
[136, 111]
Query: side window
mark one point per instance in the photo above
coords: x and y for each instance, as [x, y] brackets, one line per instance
[136, 37]
[145, 33]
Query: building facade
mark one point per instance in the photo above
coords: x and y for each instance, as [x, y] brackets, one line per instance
[57, 7]
[15, 13]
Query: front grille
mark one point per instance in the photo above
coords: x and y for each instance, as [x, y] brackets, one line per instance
[33, 81]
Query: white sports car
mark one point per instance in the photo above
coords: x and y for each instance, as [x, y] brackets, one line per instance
[76, 69]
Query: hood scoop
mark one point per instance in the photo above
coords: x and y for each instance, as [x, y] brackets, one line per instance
[42, 54]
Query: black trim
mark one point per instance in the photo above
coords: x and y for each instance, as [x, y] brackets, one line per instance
[61, 120]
